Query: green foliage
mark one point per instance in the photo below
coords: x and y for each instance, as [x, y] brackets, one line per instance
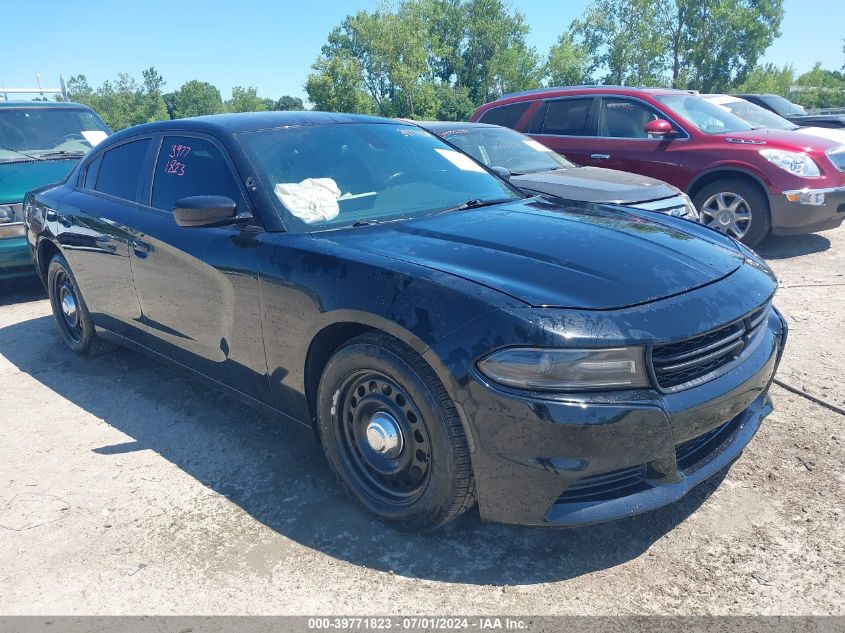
[336, 85]
[246, 100]
[768, 79]
[624, 41]
[707, 45]
[569, 62]
[123, 102]
[287, 102]
[714, 44]
[820, 88]
[194, 98]
[425, 58]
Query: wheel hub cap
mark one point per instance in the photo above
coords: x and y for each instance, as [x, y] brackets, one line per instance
[69, 307]
[384, 435]
[727, 212]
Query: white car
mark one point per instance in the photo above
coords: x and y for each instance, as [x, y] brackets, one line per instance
[761, 118]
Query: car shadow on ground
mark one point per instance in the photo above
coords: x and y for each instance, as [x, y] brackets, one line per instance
[21, 291]
[277, 474]
[786, 247]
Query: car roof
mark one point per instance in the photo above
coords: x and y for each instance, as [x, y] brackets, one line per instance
[234, 123]
[29, 105]
[540, 92]
[445, 126]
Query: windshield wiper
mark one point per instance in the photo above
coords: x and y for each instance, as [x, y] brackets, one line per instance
[17, 151]
[368, 222]
[61, 152]
[476, 203]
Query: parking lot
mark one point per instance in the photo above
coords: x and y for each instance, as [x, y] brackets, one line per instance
[127, 487]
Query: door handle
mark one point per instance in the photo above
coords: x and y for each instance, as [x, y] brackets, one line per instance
[599, 156]
[141, 248]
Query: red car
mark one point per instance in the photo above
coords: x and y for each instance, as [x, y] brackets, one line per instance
[745, 181]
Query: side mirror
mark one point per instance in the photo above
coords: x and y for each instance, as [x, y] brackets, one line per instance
[199, 211]
[659, 127]
[503, 172]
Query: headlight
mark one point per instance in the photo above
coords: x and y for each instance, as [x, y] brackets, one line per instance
[796, 163]
[7, 214]
[690, 213]
[837, 157]
[10, 221]
[551, 369]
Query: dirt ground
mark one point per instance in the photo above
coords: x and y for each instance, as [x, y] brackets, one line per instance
[128, 488]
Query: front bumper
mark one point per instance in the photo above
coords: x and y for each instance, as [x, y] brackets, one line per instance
[565, 461]
[15, 259]
[792, 218]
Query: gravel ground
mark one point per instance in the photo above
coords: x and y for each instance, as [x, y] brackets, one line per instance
[128, 488]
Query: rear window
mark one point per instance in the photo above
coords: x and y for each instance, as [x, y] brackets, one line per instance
[120, 169]
[506, 115]
[568, 117]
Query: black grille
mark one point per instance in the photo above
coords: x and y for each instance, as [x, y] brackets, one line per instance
[628, 481]
[691, 452]
[676, 364]
[612, 485]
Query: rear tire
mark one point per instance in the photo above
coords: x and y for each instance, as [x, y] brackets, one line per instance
[72, 317]
[392, 434]
[736, 207]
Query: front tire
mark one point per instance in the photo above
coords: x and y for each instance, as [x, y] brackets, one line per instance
[72, 317]
[392, 434]
[735, 207]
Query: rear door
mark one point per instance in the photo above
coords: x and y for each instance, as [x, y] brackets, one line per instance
[198, 286]
[567, 125]
[93, 228]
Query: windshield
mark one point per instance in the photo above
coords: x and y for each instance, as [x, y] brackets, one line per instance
[37, 131]
[327, 176]
[501, 147]
[706, 116]
[784, 107]
[752, 113]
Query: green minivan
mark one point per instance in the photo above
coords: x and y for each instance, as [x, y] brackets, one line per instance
[40, 142]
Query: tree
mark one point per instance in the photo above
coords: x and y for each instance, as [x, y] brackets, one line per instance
[716, 43]
[336, 85]
[426, 58]
[820, 88]
[123, 102]
[195, 98]
[245, 100]
[624, 41]
[287, 102]
[768, 79]
[568, 63]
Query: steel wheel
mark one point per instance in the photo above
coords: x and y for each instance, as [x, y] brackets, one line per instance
[68, 300]
[727, 212]
[382, 437]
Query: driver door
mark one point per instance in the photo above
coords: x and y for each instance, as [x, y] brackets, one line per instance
[198, 286]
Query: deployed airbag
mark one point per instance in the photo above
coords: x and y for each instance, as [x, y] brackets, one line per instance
[312, 200]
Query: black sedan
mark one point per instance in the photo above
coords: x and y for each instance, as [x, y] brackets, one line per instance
[449, 340]
[794, 112]
[536, 169]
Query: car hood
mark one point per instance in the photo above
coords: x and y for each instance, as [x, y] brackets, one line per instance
[547, 254]
[798, 139]
[596, 184]
[18, 177]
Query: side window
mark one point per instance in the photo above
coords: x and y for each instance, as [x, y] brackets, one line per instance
[91, 172]
[622, 118]
[568, 117]
[120, 169]
[190, 166]
[506, 115]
